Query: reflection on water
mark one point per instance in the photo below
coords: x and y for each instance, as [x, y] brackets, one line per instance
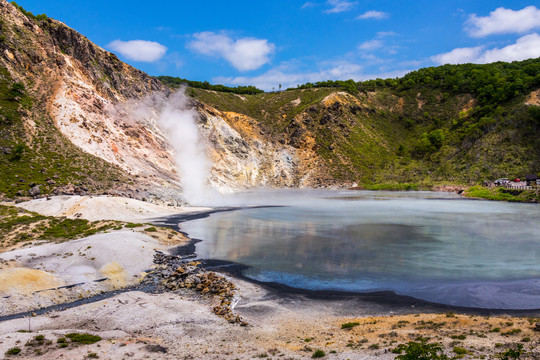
[462, 252]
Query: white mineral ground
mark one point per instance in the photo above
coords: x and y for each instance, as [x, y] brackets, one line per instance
[285, 326]
[103, 208]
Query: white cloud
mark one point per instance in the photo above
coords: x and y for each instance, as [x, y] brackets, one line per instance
[244, 53]
[504, 21]
[379, 42]
[308, 4]
[341, 70]
[372, 14]
[139, 50]
[382, 34]
[338, 6]
[525, 47]
[459, 56]
[370, 45]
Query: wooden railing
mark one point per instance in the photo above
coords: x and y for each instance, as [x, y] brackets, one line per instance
[518, 186]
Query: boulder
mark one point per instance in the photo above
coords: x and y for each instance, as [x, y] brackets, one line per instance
[34, 191]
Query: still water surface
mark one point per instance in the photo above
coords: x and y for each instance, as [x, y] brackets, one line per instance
[433, 246]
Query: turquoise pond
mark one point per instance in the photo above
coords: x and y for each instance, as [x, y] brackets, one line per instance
[438, 247]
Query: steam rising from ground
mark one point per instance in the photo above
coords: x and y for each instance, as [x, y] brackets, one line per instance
[180, 127]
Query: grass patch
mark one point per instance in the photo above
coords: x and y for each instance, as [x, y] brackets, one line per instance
[83, 338]
[511, 332]
[393, 187]
[349, 325]
[459, 350]
[132, 225]
[13, 351]
[502, 194]
[19, 225]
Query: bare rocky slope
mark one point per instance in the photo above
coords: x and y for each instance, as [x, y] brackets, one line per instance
[75, 119]
[82, 95]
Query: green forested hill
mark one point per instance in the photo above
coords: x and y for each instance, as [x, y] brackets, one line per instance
[452, 124]
[456, 124]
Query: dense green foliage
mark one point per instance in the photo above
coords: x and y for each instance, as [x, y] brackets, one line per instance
[490, 83]
[29, 14]
[349, 85]
[176, 82]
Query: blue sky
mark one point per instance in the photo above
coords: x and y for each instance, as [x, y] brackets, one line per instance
[267, 43]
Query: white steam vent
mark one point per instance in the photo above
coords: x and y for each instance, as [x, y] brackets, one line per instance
[179, 125]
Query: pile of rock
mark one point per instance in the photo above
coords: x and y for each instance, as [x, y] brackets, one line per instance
[177, 272]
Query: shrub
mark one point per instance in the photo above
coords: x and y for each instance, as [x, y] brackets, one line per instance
[13, 351]
[513, 354]
[318, 354]
[430, 142]
[420, 351]
[436, 138]
[17, 152]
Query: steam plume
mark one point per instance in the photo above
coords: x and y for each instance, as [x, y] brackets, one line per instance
[180, 126]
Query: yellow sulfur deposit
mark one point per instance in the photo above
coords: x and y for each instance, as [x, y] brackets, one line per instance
[26, 281]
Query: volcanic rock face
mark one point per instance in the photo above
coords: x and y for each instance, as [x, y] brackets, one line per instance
[90, 96]
[241, 157]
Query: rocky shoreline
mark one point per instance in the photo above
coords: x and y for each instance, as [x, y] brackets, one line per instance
[176, 272]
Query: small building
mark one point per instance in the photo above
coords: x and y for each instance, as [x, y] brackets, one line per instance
[531, 179]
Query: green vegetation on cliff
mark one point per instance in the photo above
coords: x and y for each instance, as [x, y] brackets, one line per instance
[33, 152]
[175, 83]
[491, 84]
[20, 226]
[456, 124]
[503, 194]
[29, 14]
